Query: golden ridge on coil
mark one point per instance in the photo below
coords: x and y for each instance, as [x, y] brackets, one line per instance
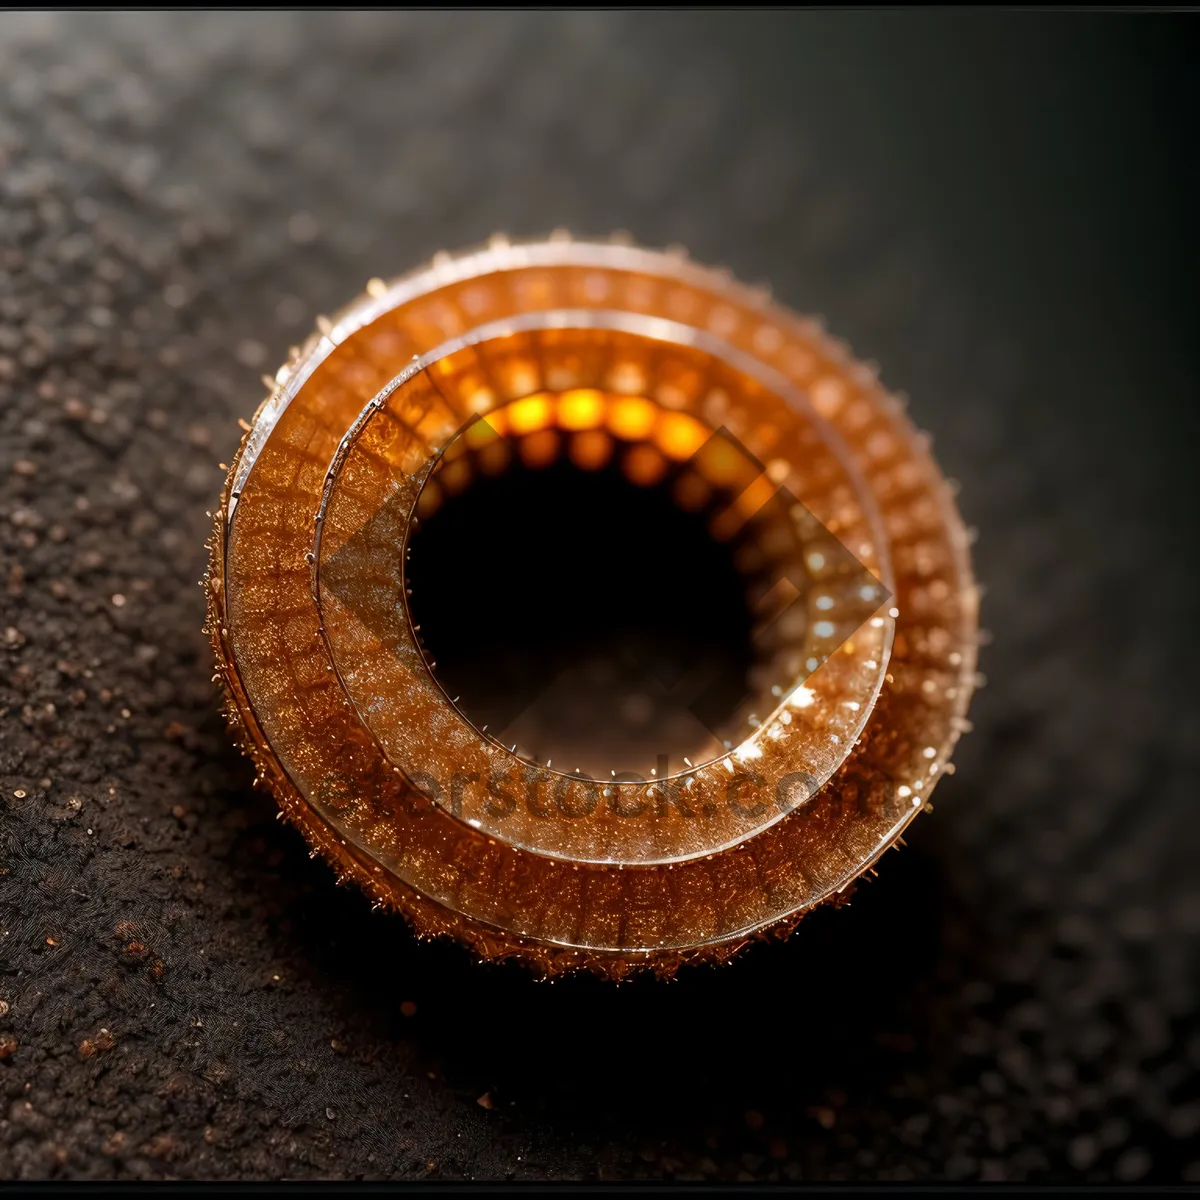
[560, 356]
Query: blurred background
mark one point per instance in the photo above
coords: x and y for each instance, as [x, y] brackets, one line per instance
[997, 207]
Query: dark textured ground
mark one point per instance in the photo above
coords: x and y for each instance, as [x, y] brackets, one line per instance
[999, 208]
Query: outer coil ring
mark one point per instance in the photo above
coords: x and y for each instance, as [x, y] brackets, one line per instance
[570, 905]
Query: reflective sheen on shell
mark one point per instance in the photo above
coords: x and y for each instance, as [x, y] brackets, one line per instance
[609, 349]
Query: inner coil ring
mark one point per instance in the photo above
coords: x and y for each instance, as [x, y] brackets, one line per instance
[698, 811]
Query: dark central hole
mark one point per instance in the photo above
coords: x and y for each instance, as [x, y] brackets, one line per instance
[589, 620]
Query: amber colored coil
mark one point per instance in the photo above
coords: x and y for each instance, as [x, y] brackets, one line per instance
[612, 348]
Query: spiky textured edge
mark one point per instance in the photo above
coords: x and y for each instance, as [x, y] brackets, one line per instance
[427, 919]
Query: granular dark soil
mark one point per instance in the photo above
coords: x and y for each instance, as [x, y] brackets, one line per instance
[996, 206]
